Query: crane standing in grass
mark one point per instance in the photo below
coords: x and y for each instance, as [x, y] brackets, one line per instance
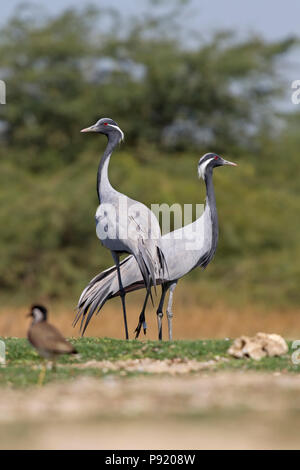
[185, 249]
[124, 225]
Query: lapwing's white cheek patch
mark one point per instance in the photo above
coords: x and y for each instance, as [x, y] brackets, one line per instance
[38, 315]
[202, 168]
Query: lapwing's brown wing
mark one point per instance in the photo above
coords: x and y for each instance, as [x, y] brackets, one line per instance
[44, 336]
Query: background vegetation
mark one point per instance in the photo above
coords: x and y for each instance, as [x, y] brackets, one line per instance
[176, 95]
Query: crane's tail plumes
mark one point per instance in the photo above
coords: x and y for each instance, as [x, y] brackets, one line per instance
[104, 286]
[152, 263]
[164, 272]
[137, 272]
[147, 265]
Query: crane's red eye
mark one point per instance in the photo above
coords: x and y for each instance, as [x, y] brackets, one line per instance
[105, 123]
[216, 157]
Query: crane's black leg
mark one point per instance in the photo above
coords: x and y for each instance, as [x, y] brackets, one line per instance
[122, 291]
[142, 320]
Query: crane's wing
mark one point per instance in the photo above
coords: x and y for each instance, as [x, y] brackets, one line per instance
[125, 225]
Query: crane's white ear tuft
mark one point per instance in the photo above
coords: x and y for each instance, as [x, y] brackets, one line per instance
[118, 129]
[202, 167]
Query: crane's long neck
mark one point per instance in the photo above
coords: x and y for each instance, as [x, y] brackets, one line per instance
[103, 184]
[211, 203]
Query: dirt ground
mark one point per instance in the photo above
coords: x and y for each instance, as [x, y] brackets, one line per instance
[190, 407]
[232, 410]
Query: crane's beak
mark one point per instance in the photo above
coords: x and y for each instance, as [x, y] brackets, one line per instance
[226, 162]
[89, 129]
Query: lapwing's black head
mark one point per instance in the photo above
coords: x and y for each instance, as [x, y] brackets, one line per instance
[210, 161]
[39, 313]
[107, 127]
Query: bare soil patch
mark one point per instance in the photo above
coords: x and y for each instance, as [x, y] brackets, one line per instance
[151, 366]
[205, 410]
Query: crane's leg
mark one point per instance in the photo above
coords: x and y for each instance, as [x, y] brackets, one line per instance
[169, 309]
[116, 258]
[142, 320]
[159, 312]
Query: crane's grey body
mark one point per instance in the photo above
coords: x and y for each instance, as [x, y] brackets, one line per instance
[124, 225]
[141, 230]
[184, 249]
[199, 241]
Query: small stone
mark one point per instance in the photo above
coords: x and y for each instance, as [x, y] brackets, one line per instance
[260, 345]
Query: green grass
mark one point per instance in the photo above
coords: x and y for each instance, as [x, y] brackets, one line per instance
[23, 363]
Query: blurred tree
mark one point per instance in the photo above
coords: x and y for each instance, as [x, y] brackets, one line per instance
[173, 93]
[66, 71]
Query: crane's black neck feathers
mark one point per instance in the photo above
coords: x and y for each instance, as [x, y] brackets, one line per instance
[113, 140]
[211, 202]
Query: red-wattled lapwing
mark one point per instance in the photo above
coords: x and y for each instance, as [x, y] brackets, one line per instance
[46, 339]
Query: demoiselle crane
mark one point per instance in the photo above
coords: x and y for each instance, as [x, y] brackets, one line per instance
[124, 225]
[185, 249]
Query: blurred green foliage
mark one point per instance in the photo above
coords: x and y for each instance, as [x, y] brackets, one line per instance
[176, 96]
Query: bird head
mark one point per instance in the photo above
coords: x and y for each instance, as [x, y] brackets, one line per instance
[38, 312]
[210, 161]
[107, 127]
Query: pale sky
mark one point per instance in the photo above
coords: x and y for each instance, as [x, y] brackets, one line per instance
[272, 19]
